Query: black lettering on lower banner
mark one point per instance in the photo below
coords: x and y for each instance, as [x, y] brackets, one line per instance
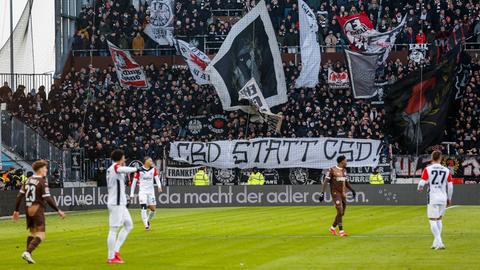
[240, 156]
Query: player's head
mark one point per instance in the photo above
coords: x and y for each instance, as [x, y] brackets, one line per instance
[147, 162]
[118, 156]
[40, 167]
[436, 156]
[342, 161]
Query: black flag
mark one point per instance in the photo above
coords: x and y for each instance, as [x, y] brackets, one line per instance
[362, 68]
[249, 51]
[418, 105]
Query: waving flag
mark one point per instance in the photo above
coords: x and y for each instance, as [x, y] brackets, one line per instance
[250, 50]
[362, 68]
[310, 49]
[160, 26]
[383, 42]
[417, 106]
[197, 61]
[251, 92]
[357, 28]
[129, 73]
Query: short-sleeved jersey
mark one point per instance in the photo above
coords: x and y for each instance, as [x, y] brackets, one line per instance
[337, 177]
[147, 179]
[35, 189]
[116, 186]
[437, 177]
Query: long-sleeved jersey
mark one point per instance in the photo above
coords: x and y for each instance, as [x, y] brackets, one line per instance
[439, 179]
[146, 178]
[116, 184]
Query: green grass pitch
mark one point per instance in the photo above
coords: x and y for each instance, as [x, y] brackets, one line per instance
[382, 237]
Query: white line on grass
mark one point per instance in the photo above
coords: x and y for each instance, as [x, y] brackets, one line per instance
[69, 213]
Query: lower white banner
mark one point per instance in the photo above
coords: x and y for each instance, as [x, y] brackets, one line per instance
[316, 153]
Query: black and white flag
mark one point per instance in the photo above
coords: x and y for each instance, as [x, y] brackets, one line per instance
[250, 50]
[362, 68]
[251, 92]
[160, 27]
[383, 42]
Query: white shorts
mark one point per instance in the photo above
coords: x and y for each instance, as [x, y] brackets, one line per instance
[119, 215]
[435, 210]
[147, 198]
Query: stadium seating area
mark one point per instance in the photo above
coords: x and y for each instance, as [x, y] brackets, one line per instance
[90, 110]
[122, 23]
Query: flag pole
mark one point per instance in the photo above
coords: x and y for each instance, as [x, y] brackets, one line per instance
[417, 133]
[251, 75]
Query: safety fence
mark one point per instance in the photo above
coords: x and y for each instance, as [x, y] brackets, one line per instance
[30, 81]
[29, 145]
[211, 44]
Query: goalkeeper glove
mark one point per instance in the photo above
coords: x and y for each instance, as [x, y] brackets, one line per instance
[321, 197]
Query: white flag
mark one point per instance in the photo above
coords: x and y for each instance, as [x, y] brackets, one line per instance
[310, 49]
[251, 92]
[162, 16]
[196, 60]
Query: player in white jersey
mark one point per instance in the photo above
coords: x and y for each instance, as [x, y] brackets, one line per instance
[146, 176]
[440, 194]
[117, 206]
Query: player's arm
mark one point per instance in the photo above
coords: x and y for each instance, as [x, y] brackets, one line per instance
[349, 186]
[124, 169]
[326, 180]
[134, 184]
[157, 180]
[48, 198]
[18, 201]
[449, 189]
[423, 180]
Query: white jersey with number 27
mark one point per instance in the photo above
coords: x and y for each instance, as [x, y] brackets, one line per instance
[437, 177]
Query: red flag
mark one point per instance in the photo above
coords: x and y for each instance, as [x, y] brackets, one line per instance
[356, 27]
[129, 73]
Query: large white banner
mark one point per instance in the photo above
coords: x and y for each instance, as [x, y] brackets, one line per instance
[129, 72]
[160, 28]
[197, 61]
[310, 49]
[315, 153]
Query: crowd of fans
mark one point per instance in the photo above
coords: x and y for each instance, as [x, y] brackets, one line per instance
[123, 21]
[90, 110]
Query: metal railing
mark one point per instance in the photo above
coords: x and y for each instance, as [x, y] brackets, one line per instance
[211, 45]
[29, 145]
[227, 12]
[30, 81]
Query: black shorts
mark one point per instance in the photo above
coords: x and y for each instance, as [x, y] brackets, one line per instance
[36, 222]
